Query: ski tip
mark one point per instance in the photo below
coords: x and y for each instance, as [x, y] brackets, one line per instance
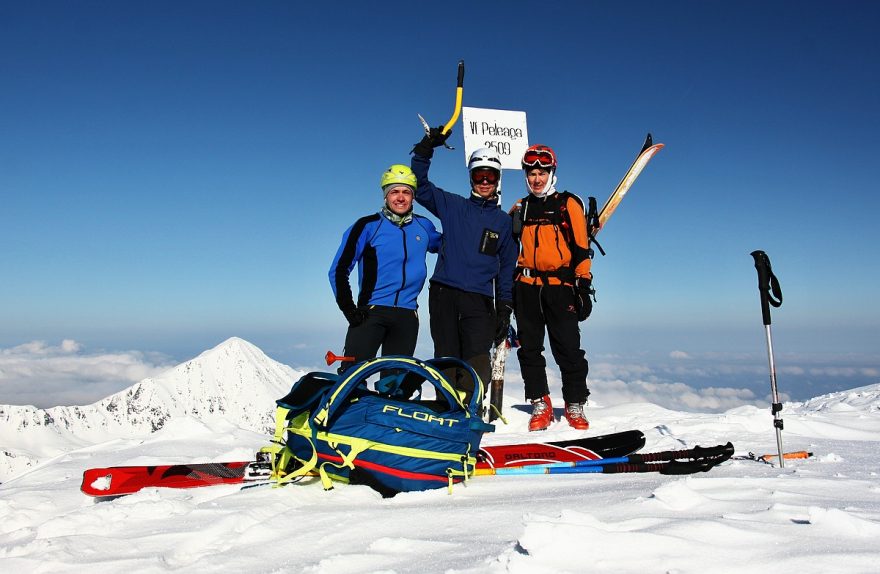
[649, 143]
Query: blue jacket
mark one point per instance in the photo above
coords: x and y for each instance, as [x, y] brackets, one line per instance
[478, 247]
[390, 260]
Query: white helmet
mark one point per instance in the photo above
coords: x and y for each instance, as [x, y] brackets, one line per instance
[486, 158]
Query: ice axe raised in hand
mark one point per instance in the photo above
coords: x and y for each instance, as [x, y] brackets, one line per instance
[455, 112]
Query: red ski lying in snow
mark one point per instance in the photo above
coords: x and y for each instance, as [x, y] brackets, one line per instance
[121, 480]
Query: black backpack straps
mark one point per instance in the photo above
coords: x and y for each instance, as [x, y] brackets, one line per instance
[578, 252]
[517, 215]
[593, 223]
[356, 376]
[306, 392]
[564, 217]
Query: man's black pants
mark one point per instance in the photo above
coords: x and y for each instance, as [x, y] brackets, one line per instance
[462, 326]
[550, 307]
[394, 329]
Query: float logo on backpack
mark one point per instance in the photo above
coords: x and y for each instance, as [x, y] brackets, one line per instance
[419, 415]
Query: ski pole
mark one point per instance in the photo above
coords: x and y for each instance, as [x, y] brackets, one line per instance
[771, 294]
[693, 454]
[700, 459]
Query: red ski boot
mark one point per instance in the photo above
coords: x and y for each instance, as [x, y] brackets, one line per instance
[574, 414]
[542, 414]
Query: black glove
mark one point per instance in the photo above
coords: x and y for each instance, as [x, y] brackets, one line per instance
[502, 321]
[435, 138]
[583, 297]
[355, 315]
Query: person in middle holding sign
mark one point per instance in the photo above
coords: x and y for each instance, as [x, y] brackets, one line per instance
[471, 291]
[552, 289]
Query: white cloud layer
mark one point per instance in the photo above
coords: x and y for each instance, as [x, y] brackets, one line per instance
[44, 375]
[615, 384]
[37, 373]
[711, 382]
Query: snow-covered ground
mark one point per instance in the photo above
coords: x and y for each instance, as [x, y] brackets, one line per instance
[816, 515]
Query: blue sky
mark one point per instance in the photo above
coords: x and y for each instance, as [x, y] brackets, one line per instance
[176, 173]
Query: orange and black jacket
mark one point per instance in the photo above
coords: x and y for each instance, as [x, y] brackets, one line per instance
[554, 245]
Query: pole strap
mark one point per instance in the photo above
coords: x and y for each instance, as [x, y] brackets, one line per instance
[768, 285]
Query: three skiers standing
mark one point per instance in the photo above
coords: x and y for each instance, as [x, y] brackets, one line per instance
[534, 261]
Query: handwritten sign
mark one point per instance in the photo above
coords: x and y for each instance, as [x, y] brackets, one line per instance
[504, 131]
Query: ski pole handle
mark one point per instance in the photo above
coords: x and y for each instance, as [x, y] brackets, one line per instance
[458, 93]
[767, 283]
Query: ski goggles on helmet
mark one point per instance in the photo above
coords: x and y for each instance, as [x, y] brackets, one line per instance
[539, 156]
[485, 175]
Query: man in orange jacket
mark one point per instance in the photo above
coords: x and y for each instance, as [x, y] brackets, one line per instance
[552, 289]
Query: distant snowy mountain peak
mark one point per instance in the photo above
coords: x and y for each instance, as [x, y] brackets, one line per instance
[861, 399]
[234, 382]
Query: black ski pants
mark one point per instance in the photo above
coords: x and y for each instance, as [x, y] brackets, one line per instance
[550, 307]
[394, 329]
[462, 326]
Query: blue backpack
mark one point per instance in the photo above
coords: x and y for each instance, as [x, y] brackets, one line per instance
[336, 427]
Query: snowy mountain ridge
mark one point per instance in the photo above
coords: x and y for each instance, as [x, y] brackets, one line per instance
[234, 382]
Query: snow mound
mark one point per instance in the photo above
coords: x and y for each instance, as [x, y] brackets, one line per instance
[862, 399]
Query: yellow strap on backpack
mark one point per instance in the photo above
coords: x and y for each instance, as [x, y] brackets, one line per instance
[357, 447]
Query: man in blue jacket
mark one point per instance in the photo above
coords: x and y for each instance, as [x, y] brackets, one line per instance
[471, 290]
[389, 248]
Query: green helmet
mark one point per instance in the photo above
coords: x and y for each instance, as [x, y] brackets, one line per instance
[398, 174]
